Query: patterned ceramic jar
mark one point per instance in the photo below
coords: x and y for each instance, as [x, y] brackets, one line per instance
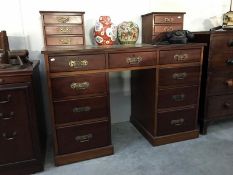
[127, 32]
[105, 32]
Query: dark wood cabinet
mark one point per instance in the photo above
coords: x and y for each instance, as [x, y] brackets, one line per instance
[22, 139]
[217, 92]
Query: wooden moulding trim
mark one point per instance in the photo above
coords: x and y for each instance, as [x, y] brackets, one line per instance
[83, 155]
[161, 140]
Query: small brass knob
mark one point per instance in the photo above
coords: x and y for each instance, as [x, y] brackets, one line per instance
[229, 82]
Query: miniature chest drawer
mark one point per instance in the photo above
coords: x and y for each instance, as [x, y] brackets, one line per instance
[83, 109]
[177, 97]
[222, 41]
[166, 28]
[181, 76]
[61, 30]
[64, 40]
[131, 59]
[62, 18]
[179, 56]
[89, 84]
[168, 18]
[82, 137]
[176, 121]
[76, 62]
[220, 106]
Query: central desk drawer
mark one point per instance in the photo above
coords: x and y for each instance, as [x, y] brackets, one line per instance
[176, 121]
[179, 76]
[178, 97]
[89, 84]
[76, 62]
[80, 109]
[131, 59]
[82, 137]
[179, 56]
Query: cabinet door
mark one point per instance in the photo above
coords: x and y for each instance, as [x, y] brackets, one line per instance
[15, 135]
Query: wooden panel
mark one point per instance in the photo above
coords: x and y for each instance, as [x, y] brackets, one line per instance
[176, 121]
[220, 106]
[179, 56]
[79, 85]
[80, 109]
[82, 137]
[76, 62]
[61, 30]
[64, 40]
[168, 18]
[131, 59]
[166, 28]
[177, 97]
[62, 19]
[179, 76]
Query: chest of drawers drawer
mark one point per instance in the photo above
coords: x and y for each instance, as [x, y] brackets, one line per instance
[179, 56]
[176, 121]
[18, 79]
[181, 76]
[64, 30]
[73, 86]
[82, 137]
[168, 18]
[221, 62]
[83, 109]
[62, 18]
[118, 60]
[177, 97]
[223, 41]
[64, 40]
[76, 62]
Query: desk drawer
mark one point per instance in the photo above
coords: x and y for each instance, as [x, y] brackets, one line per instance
[62, 19]
[168, 18]
[64, 40]
[89, 84]
[179, 76]
[167, 28]
[219, 106]
[131, 59]
[76, 62]
[61, 30]
[80, 109]
[83, 137]
[176, 121]
[178, 97]
[179, 56]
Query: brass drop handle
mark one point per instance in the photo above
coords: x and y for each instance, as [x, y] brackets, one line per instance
[179, 76]
[168, 19]
[9, 137]
[63, 19]
[64, 29]
[179, 97]
[79, 86]
[167, 29]
[180, 57]
[78, 63]
[11, 116]
[229, 83]
[7, 100]
[227, 104]
[65, 41]
[177, 122]
[81, 109]
[134, 60]
[83, 138]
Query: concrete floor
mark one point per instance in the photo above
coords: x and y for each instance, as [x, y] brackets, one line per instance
[211, 154]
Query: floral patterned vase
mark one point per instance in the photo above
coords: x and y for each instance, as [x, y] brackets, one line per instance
[105, 32]
[127, 32]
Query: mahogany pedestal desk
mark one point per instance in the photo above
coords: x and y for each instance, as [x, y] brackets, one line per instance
[165, 85]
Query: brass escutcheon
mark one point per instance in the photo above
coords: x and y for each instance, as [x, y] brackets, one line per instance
[134, 60]
[63, 19]
[80, 86]
[78, 63]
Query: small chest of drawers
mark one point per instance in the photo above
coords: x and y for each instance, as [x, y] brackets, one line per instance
[62, 28]
[155, 24]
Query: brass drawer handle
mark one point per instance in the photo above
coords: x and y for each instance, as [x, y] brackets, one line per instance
[168, 19]
[11, 116]
[78, 63]
[80, 86]
[83, 138]
[179, 76]
[64, 29]
[63, 19]
[229, 83]
[177, 122]
[179, 97]
[167, 29]
[81, 109]
[229, 61]
[134, 60]
[65, 41]
[181, 57]
[7, 100]
[9, 137]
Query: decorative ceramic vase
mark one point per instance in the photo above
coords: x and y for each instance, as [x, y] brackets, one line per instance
[127, 32]
[105, 32]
